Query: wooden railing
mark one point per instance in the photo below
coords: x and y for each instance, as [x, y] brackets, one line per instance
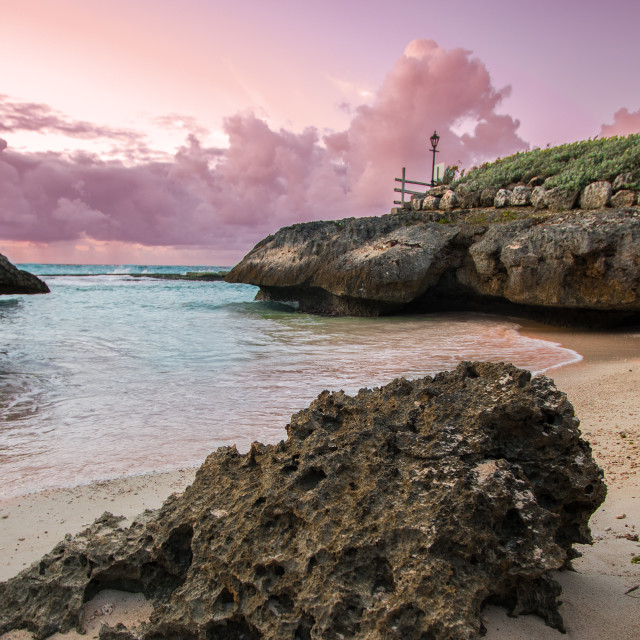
[404, 190]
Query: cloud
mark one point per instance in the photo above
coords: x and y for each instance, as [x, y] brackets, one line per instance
[16, 115]
[624, 123]
[228, 198]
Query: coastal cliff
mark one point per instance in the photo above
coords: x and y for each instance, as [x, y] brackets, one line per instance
[399, 512]
[579, 266]
[14, 280]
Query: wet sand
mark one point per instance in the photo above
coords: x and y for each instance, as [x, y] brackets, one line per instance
[597, 602]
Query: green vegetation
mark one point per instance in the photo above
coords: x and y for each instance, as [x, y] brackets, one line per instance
[572, 166]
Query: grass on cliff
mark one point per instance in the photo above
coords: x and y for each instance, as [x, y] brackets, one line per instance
[572, 166]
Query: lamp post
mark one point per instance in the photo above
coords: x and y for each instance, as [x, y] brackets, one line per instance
[434, 139]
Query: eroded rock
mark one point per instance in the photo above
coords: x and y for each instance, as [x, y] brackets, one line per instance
[502, 199]
[560, 198]
[15, 281]
[521, 196]
[596, 195]
[449, 201]
[580, 267]
[624, 198]
[396, 513]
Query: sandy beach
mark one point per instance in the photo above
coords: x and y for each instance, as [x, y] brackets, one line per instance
[599, 598]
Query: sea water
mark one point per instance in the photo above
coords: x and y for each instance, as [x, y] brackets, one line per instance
[112, 375]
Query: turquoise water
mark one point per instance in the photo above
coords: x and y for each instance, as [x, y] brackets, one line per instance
[112, 375]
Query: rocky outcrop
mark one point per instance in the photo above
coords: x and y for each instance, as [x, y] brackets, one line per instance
[13, 280]
[397, 513]
[579, 267]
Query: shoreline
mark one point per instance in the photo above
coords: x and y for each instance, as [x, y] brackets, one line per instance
[604, 387]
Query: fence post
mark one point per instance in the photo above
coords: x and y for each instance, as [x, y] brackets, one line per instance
[403, 181]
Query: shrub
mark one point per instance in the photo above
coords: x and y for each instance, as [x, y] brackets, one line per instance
[573, 166]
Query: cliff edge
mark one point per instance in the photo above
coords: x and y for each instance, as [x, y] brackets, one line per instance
[572, 267]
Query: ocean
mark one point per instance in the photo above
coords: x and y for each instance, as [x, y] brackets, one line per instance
[111, 375]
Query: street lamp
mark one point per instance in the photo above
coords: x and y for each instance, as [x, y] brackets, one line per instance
[434, 139]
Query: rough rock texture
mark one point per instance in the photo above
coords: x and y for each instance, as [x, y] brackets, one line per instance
[502, 199]
[430, 203]
[521, 196]
[487, 196]
[14, 280]
[580, 267]
[450, 200]
[596, 195]
[537, 197]
[560, 199]
[469, 199]
[397, 513]
[624, 198]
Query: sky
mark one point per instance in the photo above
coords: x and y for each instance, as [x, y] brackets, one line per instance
[183, 132]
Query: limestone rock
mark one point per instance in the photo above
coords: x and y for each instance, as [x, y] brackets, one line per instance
[430, 203]
[487, 196]
[537, 197]
[416, 203]
[450, 200]
[623, 181]
[395, 513]
[560, 199]
[624, 198]
[469, 199]
[579, 268]
[521, 196]
[14, 280]
[596, 195]
[502, 199]
[440, 190]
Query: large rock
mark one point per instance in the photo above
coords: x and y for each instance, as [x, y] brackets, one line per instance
[13, 280]
[624, 198]
[469, 199]
[521, 196]
[580, 267]
[396, 513]
[449, 201]
[430, 203]
[560, 198]
[502, 199]
[487, 196]
[537, 197]
[596, 195]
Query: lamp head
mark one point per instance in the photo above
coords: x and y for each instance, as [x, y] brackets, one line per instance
[434, 139]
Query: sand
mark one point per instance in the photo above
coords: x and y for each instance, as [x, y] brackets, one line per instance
[598, 597]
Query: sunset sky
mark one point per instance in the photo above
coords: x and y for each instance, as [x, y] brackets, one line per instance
[182, 132]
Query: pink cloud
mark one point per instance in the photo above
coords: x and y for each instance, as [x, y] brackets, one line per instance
[227, 199]
[624, 123]
[33, 116]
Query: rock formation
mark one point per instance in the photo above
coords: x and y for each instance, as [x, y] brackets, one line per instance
[397, 513]
[579, 267]
[13, 280]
